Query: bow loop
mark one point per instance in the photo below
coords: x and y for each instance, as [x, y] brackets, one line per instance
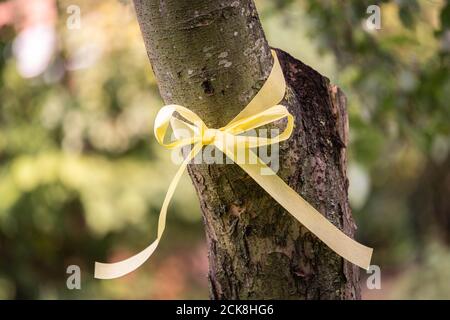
[268, 116]
[162, 122]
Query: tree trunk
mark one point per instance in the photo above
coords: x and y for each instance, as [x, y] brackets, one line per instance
[212, 57]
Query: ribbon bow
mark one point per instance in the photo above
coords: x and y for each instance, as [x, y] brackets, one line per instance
[228, 140]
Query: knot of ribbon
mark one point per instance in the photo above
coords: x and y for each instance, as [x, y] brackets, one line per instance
[262, 110]
[209, 136]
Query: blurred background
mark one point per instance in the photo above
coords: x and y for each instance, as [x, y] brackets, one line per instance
[82, 177]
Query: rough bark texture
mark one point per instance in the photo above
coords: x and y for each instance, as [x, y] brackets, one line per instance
[212, 57]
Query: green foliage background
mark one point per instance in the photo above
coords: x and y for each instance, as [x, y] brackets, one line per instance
[82, 179]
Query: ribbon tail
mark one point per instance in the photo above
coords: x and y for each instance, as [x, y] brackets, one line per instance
[271, 93]
[121, 268]
[301, 210]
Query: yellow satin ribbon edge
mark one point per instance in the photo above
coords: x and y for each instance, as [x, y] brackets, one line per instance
[226, 139]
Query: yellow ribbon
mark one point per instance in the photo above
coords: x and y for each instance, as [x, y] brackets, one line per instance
[228, 139]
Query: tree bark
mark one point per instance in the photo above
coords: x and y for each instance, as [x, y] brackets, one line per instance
[212, 57]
